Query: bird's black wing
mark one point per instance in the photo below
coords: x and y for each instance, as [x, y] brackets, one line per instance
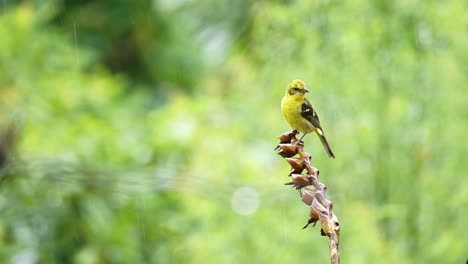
[308, 112]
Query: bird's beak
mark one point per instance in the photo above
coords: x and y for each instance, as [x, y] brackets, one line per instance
[304, 90]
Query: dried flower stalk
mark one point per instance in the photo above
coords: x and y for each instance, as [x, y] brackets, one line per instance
[320, 207]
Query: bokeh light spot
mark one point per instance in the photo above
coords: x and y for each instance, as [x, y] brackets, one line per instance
[245, 200]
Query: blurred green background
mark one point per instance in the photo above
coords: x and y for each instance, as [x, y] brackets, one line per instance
[143, 131]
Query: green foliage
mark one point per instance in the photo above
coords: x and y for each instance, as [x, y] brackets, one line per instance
[139, 120]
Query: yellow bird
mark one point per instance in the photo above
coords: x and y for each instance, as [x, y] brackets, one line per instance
[300, 114]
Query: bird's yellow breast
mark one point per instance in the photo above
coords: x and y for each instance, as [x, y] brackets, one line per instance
[292, 108]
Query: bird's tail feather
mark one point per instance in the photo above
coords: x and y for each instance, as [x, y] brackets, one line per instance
[326, 146]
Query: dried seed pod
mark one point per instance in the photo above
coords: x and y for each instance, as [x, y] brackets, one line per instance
[308, 195]
[286, 137]
[313, 218]
[288, 150]
[300, 181]
[297, 164]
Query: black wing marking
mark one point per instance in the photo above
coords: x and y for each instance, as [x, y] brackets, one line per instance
[308, 112]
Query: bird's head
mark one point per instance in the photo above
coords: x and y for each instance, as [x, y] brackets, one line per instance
[297, 88]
